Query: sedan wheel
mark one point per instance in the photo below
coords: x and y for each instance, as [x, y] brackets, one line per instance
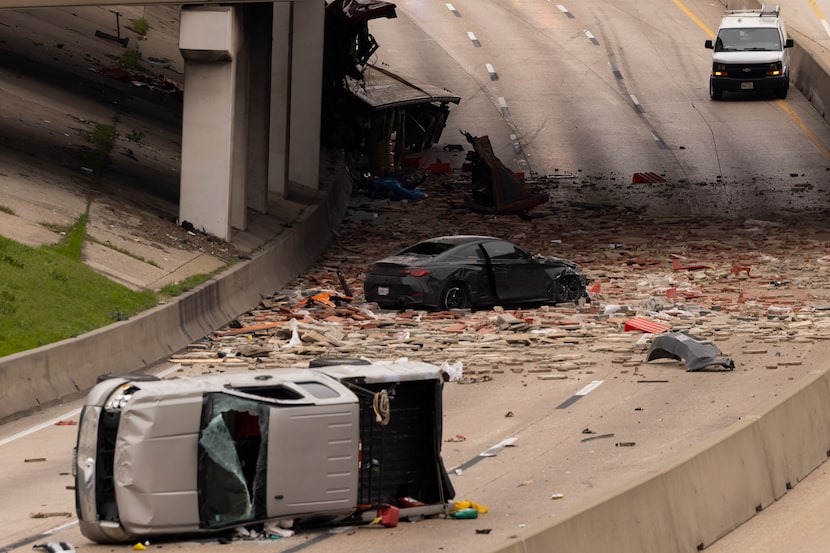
[567, 289]
[455, 296]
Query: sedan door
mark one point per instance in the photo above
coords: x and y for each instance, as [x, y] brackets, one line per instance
[516, 276]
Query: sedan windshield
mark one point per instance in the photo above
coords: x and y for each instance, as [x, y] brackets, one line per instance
[741, 40]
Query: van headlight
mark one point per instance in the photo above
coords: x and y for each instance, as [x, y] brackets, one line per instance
[120, 397]
[775, 69]
[719, 70]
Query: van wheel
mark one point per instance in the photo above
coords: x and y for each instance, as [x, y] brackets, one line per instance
[781, 93]
[714, 92]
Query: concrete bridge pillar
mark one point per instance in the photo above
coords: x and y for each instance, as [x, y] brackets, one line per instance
[213, 135]
[296, 95]
[251, 117]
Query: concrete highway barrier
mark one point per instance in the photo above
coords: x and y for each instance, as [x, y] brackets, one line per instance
[692, 501]
[67, 370]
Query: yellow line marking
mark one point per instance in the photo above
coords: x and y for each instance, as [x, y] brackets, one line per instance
[810, 134]
[815, 8]
[694, 18]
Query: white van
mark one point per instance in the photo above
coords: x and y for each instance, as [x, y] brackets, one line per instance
[750, 53]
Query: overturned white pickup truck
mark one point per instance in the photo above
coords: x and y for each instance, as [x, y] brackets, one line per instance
[207, 453]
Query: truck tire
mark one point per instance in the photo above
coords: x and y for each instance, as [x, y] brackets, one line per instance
[714, 92]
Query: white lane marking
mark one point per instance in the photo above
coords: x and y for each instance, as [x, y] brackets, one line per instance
[589, 388]
[39, 427]
[491, 452]
[637, 104]
[592, 38]
[826, 26]
[67, 415]
[564, 10]
[503, 107]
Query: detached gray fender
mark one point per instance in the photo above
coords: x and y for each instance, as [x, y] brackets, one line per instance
[697, 354]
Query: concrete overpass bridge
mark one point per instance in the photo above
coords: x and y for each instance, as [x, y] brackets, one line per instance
[252, 105]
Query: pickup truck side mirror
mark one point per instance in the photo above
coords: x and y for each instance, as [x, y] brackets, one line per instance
[789, 43]
[708, 44]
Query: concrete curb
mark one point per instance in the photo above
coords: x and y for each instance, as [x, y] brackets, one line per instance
[66, 370]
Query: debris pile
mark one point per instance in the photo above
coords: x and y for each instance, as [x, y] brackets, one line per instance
[764, 281]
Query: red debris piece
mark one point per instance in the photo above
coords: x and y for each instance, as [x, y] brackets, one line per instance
[678, 267]
[416, 162]
[671, 293]
[66, 423]
[594, 289]
[645, 325]
[440, 168]
[737, 268]
[388, 515]
[642, 178]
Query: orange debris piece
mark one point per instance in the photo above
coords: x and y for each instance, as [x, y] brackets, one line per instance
[645, 325]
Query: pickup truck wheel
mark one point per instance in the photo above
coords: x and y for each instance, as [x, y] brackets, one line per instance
[714, 92]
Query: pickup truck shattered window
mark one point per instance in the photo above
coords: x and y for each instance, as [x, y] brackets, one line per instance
[233, 444]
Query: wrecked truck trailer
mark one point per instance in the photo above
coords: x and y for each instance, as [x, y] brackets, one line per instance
[374, 113]
[206, 454]
[384, 115]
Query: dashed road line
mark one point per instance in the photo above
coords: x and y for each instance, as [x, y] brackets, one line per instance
[638, 107]
[564, 10]
[492, 72]
[454, 11]
[615, 71]
[505, 111]
[490, 452]
[660, 142]
[580, 394]
[591, 37]
[517, 147]
[474, 40]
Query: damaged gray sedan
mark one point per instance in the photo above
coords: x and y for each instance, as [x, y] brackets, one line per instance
[457, 272]
[203, 454]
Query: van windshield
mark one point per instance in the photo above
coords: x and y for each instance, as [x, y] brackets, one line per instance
[742, 40]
